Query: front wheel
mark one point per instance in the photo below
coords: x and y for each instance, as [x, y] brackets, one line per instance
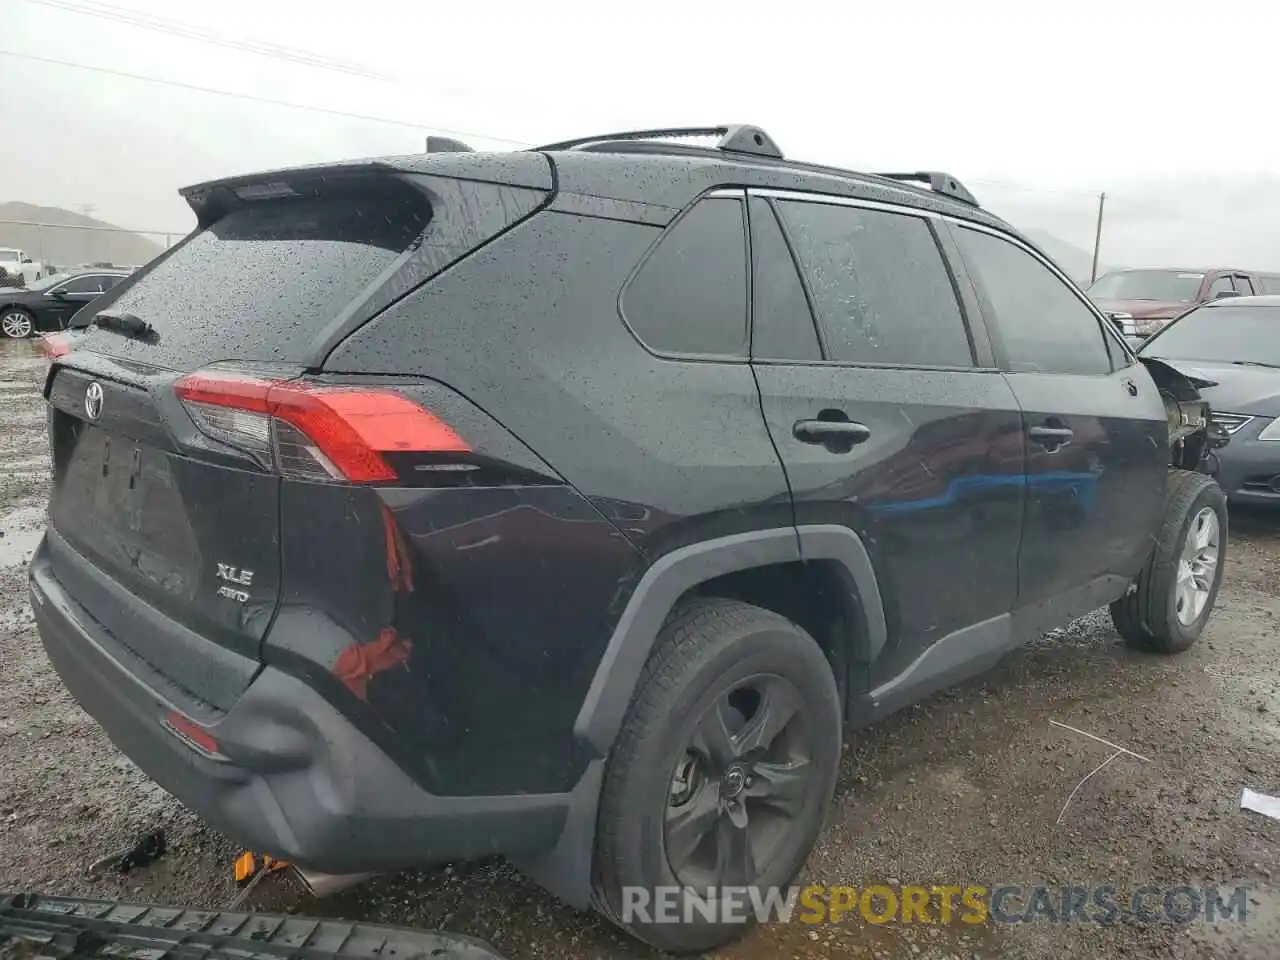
[16, 324]
[721, 776]
[1170, 603]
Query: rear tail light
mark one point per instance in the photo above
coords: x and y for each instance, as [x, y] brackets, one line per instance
[315, 432]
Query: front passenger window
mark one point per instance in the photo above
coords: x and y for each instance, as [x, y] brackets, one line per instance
[1043, 325]
[82, 285]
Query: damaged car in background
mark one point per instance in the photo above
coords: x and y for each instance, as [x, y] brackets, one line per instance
[378, 542]
[1230, 351]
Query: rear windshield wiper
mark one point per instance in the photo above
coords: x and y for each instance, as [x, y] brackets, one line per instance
[126, 323]
[1256, 363]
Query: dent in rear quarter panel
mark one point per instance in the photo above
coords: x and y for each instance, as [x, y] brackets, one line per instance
[670, 451]
[459, 627]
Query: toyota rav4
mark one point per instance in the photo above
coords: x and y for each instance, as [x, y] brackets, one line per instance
[572, 503]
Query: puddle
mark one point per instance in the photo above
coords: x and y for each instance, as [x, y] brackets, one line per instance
[22, 529]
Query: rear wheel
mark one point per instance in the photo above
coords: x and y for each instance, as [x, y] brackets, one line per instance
[1176, 591]
[721, 776]
[16, 323]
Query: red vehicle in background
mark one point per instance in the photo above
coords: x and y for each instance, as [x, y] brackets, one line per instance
[1140, 302]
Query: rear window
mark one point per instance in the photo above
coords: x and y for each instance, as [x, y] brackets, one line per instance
[265, 280]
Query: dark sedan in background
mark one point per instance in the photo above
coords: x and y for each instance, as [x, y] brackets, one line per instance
[49, 304]
[1235, 346]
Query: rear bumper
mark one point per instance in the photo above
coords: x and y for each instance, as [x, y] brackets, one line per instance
[298, 780]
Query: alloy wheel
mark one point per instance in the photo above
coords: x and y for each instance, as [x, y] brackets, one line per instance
[15, 325]
[1197, 566]
[739, 786]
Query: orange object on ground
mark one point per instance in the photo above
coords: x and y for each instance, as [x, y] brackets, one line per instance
[248, 864]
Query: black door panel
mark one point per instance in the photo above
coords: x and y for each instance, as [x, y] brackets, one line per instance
[1097, 440]
[935, 491]
[1093, 497]
[925, 465]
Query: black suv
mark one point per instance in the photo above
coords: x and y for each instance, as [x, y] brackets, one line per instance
[568, 504]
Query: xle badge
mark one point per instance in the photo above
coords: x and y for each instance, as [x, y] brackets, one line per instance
[234, 575]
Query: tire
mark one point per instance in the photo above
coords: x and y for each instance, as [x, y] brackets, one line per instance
[16, 323]
[1161, 614]
[750, 669]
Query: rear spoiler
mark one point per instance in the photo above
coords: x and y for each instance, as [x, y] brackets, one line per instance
[214, 199]
[60, 928]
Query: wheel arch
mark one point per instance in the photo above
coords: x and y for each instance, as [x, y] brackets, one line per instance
[698, 568]
[845, 569]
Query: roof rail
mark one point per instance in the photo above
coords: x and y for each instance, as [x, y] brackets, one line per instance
[446, 145]
[734, 138]
[938, 182]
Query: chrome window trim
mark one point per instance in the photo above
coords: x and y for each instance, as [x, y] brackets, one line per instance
[859, 203]
[805, 196]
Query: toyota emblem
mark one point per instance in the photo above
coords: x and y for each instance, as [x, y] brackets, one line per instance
[93, 401]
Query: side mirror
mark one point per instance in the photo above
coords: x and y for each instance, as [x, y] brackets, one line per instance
[1224, 294]
[58, 294]
[26, 259]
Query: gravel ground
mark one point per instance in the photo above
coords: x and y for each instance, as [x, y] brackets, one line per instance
[966, 788]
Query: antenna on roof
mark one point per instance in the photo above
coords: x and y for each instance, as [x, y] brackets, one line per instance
[446, 145]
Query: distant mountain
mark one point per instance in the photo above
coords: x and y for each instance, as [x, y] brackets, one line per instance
[64, 241]
[1072, 260]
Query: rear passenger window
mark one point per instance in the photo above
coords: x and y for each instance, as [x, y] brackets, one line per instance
[1044, 326]
[1244, 286]
[690, 295]
[879, 285]
[782, 325]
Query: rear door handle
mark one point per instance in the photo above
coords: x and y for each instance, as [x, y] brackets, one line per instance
[839, 436]
[1051, 438]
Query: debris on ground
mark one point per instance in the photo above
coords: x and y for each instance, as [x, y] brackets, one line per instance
[147, 850]
[1260, 803]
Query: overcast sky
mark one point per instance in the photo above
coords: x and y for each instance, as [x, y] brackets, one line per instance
[1036, 105]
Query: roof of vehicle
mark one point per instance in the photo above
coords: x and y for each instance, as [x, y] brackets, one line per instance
[605, 167]
[1262, 300]
[1219, 269]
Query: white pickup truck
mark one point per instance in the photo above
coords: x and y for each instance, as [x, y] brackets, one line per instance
[15, 263]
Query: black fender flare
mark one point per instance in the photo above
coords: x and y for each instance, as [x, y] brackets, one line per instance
[566, 869]
[674, 574]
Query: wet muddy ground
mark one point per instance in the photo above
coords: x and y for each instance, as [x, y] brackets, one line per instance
[965, 789]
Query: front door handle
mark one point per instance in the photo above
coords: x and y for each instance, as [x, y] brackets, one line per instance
[838, 436]
[1051, 438]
